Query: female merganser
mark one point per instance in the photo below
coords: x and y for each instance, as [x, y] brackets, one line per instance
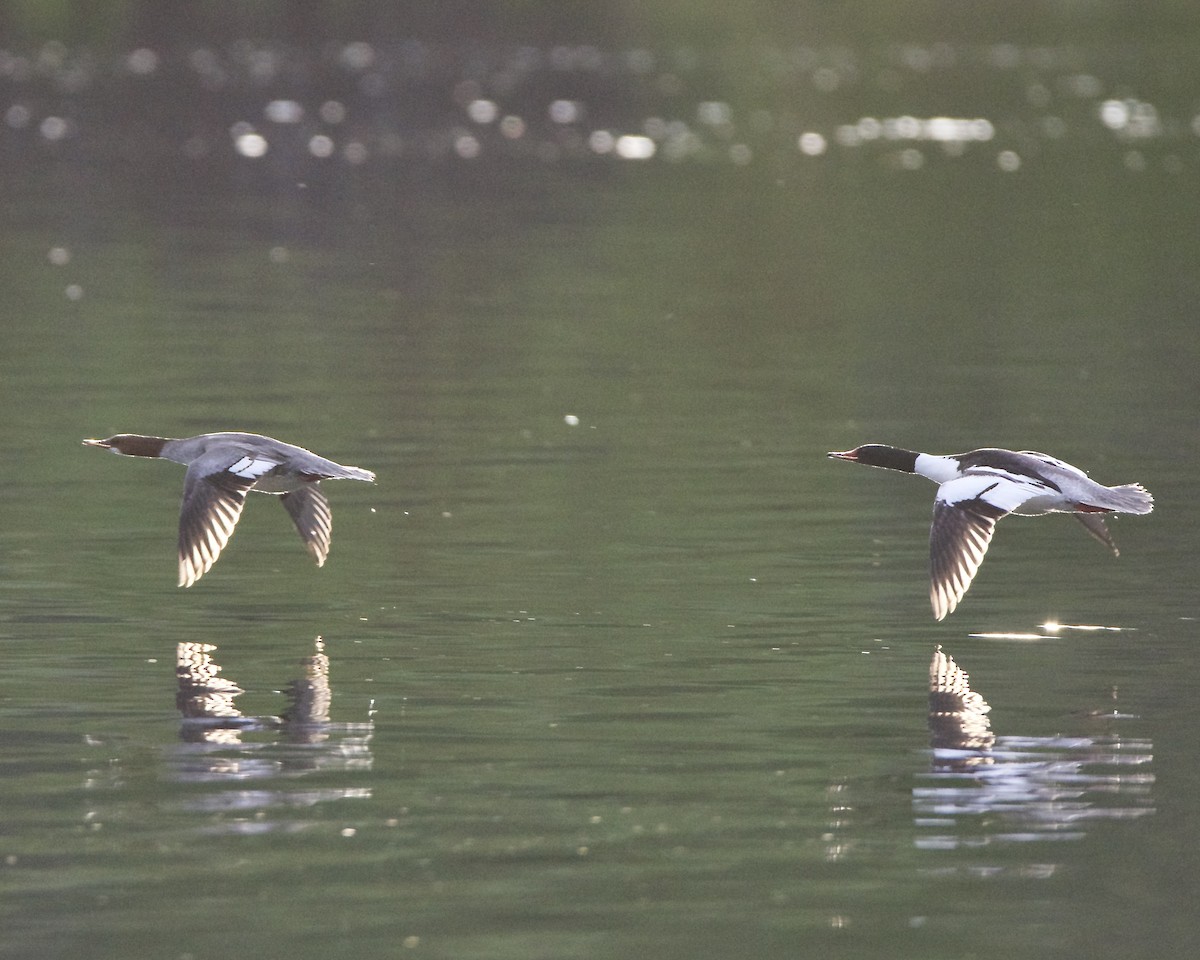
[978, 488]
[221, 469]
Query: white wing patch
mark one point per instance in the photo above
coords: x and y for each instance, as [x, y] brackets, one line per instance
[995, 489]
[965, 512]
[251, 468]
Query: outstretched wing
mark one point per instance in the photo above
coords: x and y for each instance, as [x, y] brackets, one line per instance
[310, 512]
[1094, 524]
[957, 542]
[964, 518]
[212, 505]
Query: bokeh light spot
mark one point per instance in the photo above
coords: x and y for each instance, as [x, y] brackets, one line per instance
[633, 147]
[252, 145]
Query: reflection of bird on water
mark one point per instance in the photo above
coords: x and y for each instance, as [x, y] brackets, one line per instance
[202, 691]
[957, 714]
[221, 469]
[978, 488]
[309, 697]
[1040, 787]
[274, 751]
[205, 698]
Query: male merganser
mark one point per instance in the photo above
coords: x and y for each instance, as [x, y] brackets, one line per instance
[978, 488]
[221, 469]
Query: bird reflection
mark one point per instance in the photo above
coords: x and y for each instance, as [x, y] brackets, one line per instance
[223, 746]
[959, 731]
[206, 699]
[983, 788]
[309, 697]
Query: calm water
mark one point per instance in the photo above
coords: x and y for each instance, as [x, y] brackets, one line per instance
[613, 662]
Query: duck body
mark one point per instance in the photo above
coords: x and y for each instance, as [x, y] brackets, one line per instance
[978, 488]
[222, 468]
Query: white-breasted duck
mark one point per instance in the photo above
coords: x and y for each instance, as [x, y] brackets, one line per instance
[978, 488]
[221, 469]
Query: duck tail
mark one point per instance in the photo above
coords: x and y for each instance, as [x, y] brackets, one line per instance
[1129, 498]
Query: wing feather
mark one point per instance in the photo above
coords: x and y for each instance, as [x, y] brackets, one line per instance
[212, 505]
[958, 541]
[964, 518]
[310, 512]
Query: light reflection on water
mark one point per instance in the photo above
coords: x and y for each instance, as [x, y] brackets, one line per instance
[984, 789]
[629, 656]
[215, 748]
[570, 103]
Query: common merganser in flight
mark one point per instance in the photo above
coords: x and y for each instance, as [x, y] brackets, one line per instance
[978, 488]
[221, 469]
